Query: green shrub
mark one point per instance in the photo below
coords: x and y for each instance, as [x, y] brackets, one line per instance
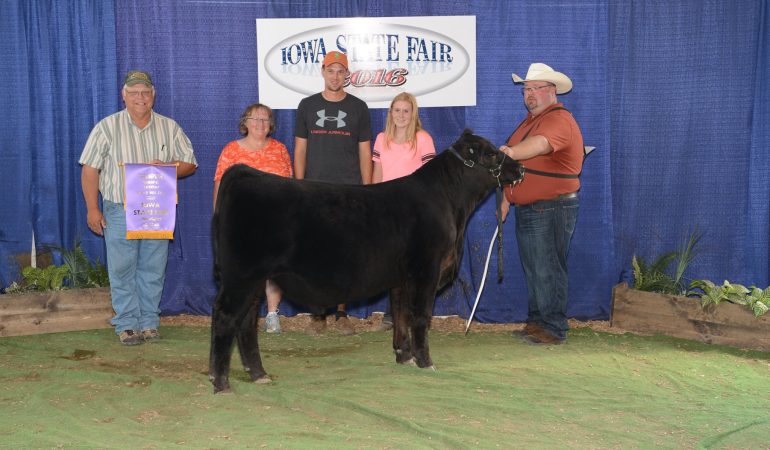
[75, 272]
[754, 298]
[655, 277]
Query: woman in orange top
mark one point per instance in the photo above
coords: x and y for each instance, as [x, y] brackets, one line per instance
[256, 149]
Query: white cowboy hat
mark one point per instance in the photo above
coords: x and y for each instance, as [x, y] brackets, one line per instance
[542, 72]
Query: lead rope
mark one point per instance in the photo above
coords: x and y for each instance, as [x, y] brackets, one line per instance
[499, 235]
[498, 199]
[483, 280]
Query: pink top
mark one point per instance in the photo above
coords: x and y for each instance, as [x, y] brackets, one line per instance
[399, 160]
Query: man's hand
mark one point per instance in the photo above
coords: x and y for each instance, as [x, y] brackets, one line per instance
[505, 207]
[96, 221]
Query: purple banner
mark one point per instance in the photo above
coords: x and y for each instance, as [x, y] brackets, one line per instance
[150, 201]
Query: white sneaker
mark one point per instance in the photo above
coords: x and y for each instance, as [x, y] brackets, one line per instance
[272, 323]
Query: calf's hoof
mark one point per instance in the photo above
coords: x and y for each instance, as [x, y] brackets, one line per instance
[404, 357]
[426, 365]
[220, 386]
[408, 362]
[264, 379]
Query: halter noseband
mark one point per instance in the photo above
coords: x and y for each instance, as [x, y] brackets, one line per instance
[494, 171]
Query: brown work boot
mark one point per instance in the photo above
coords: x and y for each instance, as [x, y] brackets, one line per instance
[529, 329]
[543, 337]
[344, 326]
[317, 325]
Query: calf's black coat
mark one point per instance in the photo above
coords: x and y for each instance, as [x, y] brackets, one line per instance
[324, 244]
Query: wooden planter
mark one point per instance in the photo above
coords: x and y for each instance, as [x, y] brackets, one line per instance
[651, 313]
[55, 311]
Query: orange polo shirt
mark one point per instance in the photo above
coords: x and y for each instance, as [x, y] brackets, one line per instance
[563, 133]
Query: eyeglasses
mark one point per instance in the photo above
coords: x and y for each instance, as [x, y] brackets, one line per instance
[134, 94]
[258, 120]
[527, 90]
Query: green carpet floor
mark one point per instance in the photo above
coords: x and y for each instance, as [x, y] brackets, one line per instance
[491, 390]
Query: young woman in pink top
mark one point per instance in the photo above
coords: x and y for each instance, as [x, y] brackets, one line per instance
[256, 149]
[403, 146]
[400, 149]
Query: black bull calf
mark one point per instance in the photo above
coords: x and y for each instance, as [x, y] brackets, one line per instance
[323, 244]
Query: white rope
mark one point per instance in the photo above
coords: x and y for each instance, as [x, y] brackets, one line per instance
[483, 279]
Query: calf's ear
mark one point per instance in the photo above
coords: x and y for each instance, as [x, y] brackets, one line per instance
[467, 132]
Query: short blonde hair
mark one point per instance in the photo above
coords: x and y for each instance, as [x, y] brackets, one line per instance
[247, 112]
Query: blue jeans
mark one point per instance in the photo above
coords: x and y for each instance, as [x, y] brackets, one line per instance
[544, 231]
[137, 270]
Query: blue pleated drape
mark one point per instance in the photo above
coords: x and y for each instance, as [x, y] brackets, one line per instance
[689, 143]
[59, 79]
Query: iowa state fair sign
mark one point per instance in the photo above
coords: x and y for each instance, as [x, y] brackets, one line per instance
[432, 57]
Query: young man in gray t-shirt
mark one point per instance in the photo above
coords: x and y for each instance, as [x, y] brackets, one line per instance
[332, 139]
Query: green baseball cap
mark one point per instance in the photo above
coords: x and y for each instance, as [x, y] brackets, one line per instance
[137, 76]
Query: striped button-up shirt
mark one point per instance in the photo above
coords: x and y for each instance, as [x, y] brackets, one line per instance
[116, 140]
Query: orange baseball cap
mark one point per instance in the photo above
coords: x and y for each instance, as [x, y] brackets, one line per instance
[335, 57]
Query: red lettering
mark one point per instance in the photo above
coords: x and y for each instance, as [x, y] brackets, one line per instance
[379, 77]
[396, 77]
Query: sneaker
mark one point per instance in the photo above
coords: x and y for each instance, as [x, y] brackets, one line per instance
[272, 323]
[150, 334]
[129, 337]
[344, 326]
[316, 326]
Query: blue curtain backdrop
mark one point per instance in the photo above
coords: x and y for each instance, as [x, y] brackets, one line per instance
[59, 78]
[673, 95]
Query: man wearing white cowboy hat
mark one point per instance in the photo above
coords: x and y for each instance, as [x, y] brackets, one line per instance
[550, 146]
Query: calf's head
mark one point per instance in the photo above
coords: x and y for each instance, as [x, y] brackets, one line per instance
[480, 153]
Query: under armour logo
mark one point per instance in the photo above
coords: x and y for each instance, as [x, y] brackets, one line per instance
[323, 118]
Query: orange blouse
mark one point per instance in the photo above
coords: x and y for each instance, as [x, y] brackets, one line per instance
[273, 158]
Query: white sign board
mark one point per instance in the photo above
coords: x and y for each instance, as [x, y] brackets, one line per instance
[433, 57]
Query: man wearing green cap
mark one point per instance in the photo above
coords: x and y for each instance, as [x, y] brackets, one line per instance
[137, 268]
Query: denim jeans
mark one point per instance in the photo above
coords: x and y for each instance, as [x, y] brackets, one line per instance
[137, 270]
[543, 231]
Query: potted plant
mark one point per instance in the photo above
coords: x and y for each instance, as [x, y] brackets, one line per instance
[67, 297]
[663, 303]
[753, 298]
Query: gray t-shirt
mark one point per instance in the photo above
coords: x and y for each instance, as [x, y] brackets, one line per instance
[333, 131]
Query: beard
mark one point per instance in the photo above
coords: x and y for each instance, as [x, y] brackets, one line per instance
[530, 104]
